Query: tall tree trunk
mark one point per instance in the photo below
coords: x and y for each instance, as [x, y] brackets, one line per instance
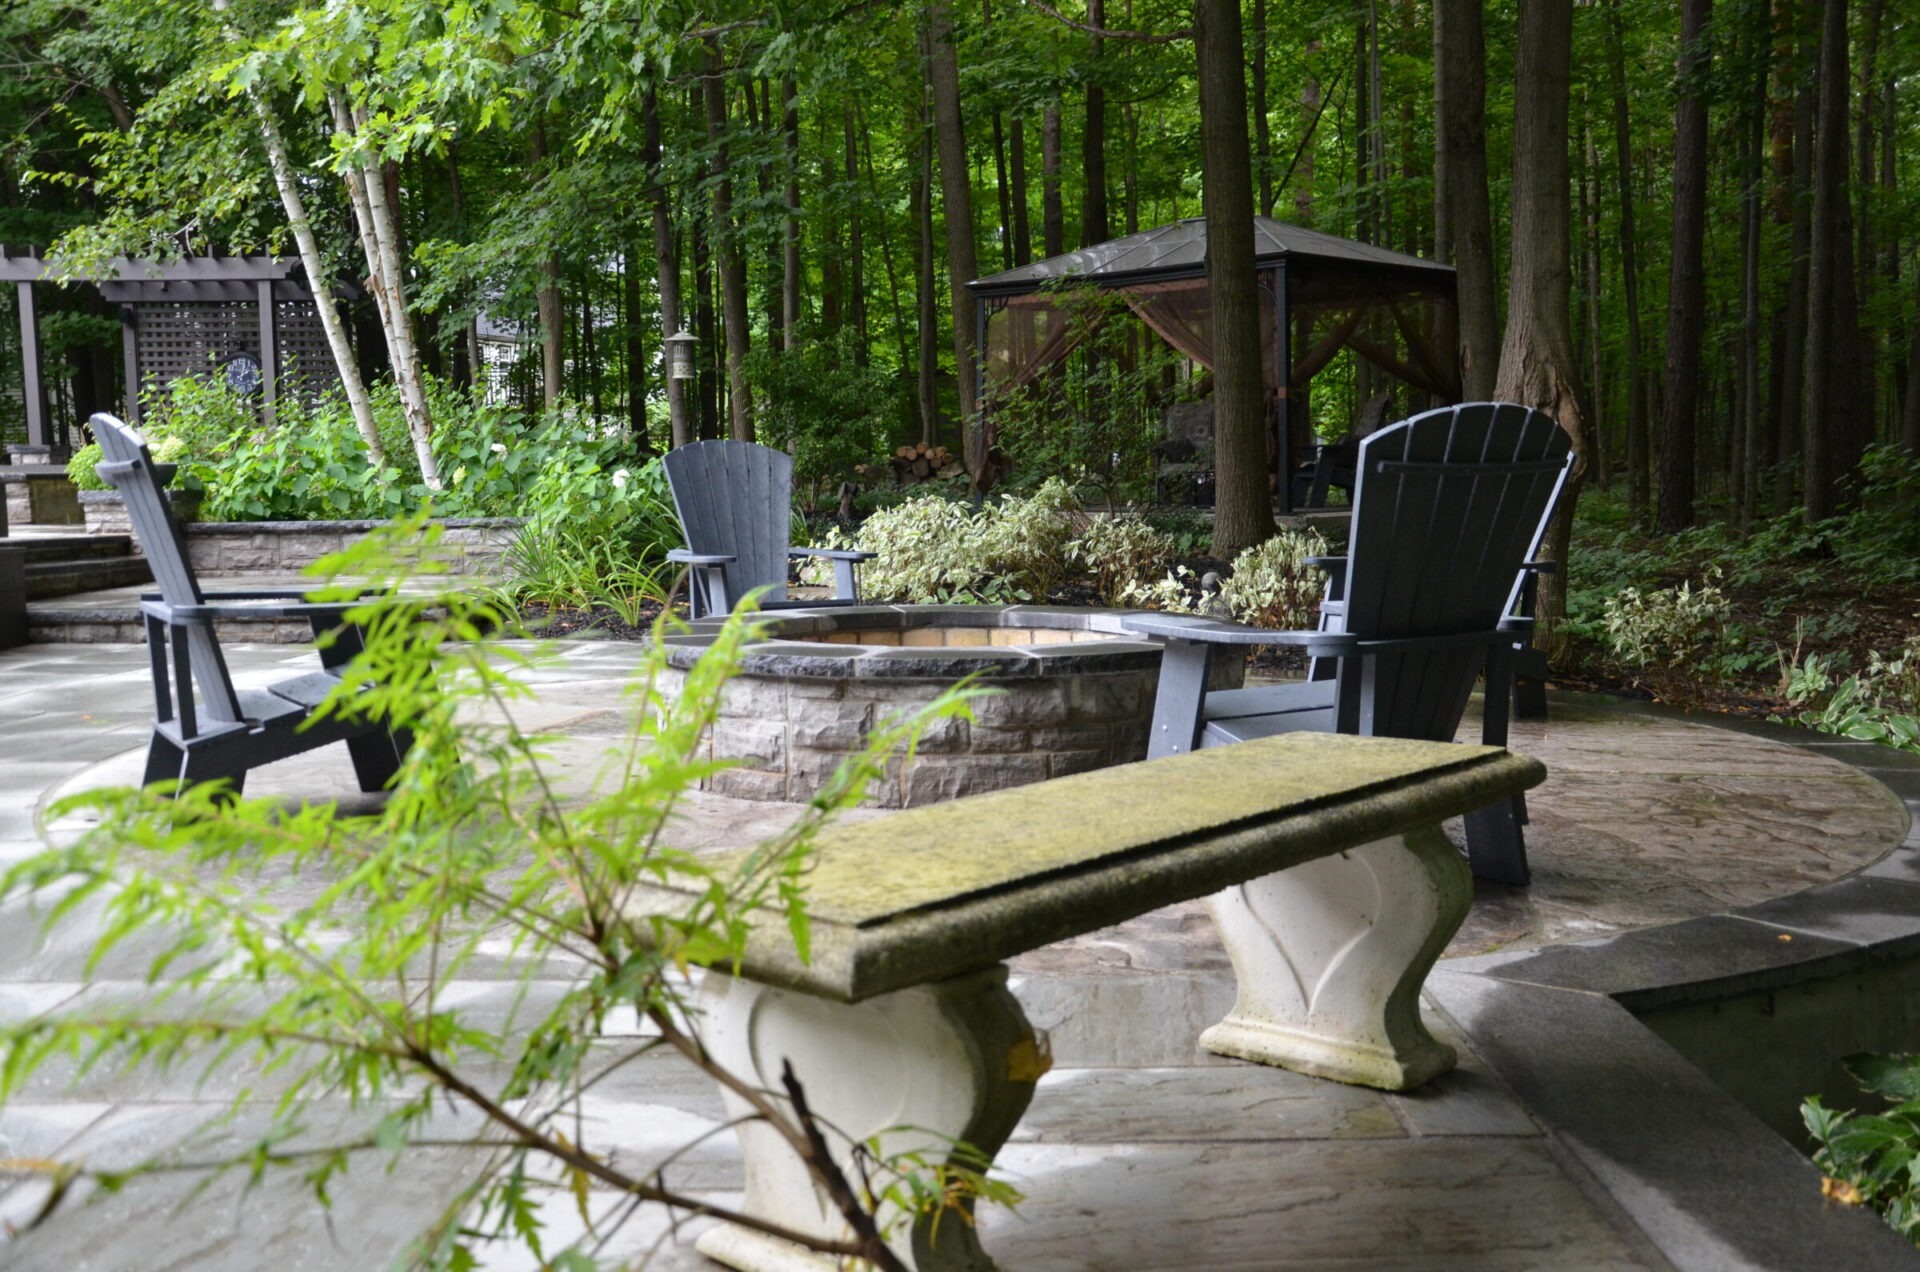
[856, 248]
[1791, 415]
[1310, 107]
[1017, 163]
[1262, 129]
[790, 267]
[1910, 410]
[1687, 282]
[1589, 185]
[666, 261]
[943, 71]
[1460, 151]
[1869, 353]
[1639, 447]
[379, 237]
[287, 182]
[1243, 506]
[467, 366]
[1831, 449]
[1095, 224]
[886, 237]
[1537, 363]
[733, 261]
[636, 351]
[547, 302]
[927, 314]
[1751, 425]
[1053, 217]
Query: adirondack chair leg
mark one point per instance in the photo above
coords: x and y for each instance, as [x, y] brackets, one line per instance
[1178, 702]
[377, 757]
[1496, 846]
[166, 762]
[1529, 684]
[845, 586]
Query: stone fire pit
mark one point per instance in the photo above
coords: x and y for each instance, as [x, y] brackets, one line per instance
[1076, 694]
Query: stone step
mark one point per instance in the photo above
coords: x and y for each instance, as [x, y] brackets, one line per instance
[47, 579]
[73, 548]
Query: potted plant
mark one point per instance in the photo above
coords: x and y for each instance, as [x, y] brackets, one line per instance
[105, 512]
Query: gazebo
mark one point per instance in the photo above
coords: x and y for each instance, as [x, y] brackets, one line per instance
[1028, 321]
[251, 317]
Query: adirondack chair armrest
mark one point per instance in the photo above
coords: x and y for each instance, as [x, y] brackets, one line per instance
[1210, 631]
[1541, 567]
[242, 605]
[832, 554]
[681, 556]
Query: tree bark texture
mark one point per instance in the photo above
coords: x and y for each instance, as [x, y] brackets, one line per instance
[1687, 275]
[1460, 128]
[1243, 507]
[1639, 441]
[733, 256]
[943, 69]
[1832, 444]
[1053, 219]
[1095, 224]
[666, 260]
[1537, 363]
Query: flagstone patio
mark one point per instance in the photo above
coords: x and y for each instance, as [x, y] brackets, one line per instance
[1675, 860]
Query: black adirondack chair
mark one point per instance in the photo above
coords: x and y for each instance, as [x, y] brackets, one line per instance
[735, 501]
[203, 727]
[1447, 507]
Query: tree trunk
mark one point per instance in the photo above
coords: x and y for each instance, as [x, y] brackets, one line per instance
[1017, 163]
[1639, 449]
[1310, 107]
[1686, 279]
[636, 351]
[287, 182]
[1095, 224]
[666, 261]
[1590, 263]
[1243, 506]
[374, 212]
[927, 315]
[856, 247]
[1910, 411]
[943, 71]
[1262, 130]
[1460, 152]
[1537, 363]
[790, 267]
[733, 258]
[1831, 449]
[1752, 429]
[1791, 415]
[1053, 219]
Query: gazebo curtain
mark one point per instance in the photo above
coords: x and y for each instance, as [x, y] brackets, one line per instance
[1036, 330]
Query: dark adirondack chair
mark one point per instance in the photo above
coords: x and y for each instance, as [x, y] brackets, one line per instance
[735, 501]
[203, 727]
[1447, 507]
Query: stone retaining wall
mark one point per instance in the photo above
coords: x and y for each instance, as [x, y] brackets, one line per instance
[473, 545]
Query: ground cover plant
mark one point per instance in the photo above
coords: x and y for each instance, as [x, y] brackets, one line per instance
[1873, 1158]
[334, 995]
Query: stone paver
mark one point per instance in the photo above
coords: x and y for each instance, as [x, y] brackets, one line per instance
[1139, 1151]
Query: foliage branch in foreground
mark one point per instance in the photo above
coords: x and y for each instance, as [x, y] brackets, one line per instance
[1873, 1159]
[317, 945]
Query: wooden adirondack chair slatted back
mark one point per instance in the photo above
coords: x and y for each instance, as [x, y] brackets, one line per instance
[734, 499]
[1447, 507]
[128, 467]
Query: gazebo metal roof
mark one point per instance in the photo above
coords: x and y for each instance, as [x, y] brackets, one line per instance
[1179, 250]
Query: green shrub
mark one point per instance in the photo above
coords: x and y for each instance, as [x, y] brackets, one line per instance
[80, 468]
[1273, 586]
[1671, 640]
[1873, 1159]
[931, 549]
[1120, 553]
[817, 402]
[1880, 704]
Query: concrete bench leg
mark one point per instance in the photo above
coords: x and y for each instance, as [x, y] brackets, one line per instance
[918, 1069]
[1331, 955]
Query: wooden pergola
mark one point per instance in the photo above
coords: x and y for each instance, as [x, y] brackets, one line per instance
[184, 317]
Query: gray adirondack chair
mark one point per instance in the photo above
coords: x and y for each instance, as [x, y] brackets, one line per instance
[734, 500]
[203, 727]
[1447, 507]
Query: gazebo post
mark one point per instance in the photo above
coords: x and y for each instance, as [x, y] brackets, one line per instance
[1283, 388]
[130, 360]
[32, 389]
[269, 350]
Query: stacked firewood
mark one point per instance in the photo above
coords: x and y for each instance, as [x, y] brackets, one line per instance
[921, 463]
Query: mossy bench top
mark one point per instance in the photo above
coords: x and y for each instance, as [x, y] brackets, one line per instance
[935, 892]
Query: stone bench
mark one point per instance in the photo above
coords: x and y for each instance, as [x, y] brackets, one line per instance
[1327, 876]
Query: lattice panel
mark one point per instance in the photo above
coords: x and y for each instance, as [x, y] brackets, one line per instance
[192, 337]
[303, 347]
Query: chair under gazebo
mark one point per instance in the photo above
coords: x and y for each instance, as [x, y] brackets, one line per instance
[1028, 321]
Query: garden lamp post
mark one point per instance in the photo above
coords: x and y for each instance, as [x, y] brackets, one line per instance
[679, 348]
